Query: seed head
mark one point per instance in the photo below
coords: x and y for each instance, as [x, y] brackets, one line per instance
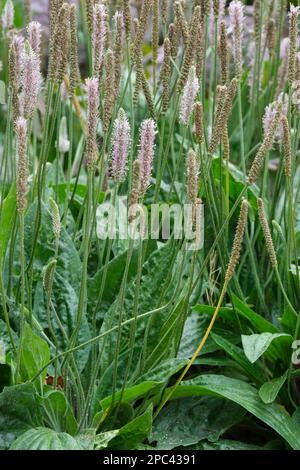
[226, 144]
[146, 152]
[265, 146]
[293, 16]
[22, 165]
[142, 25]
[223, 111]
[75, 77]
[99, 38]
[218, 124]
[155, 32]
[192, 170]
[256, 19]
[271, 34]
[181, 22]
[15, 71]
[223, 53]
[287, 149]
[238, 240]
[164, 8]
[54, 8]
[92, 86]
[59, 45]
[199, 50]
[165, 75]
[48, 276]
[199, 126]
[236, 13]
[267, 233]
[55, 216]
[217, 14]
[174, 39]
[120, 147]
[127, 17]
[89, 5]
[190, 50]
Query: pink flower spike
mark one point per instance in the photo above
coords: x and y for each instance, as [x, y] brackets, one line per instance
[31, 82]
[188, 97]
[34, 30]
[18, 45]
[98, 37]
[146, 152]
[8, 15]
[120, 147]
[236, 14]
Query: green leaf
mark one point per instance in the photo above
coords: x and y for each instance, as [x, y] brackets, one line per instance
[131, 394]
[225, 444]
[58, 413]
[257, 321]
[186, 422]
[195, 328]
[104, 438]
[167, 337]
[86, 439]
[35, 354]
[238, 355]
[46, 439]
[246, 396]
[163, 371]
[7, 221]
[268, 391]
[256, 345]
[225, 312]
[129, 435]
[19, 411]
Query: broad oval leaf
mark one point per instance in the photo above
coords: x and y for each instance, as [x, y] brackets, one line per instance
[268, 391]
[35, 354]
[46, 439]
[246, 396]
[256, 345]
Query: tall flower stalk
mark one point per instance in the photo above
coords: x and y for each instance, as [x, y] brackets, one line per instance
[22, 190]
